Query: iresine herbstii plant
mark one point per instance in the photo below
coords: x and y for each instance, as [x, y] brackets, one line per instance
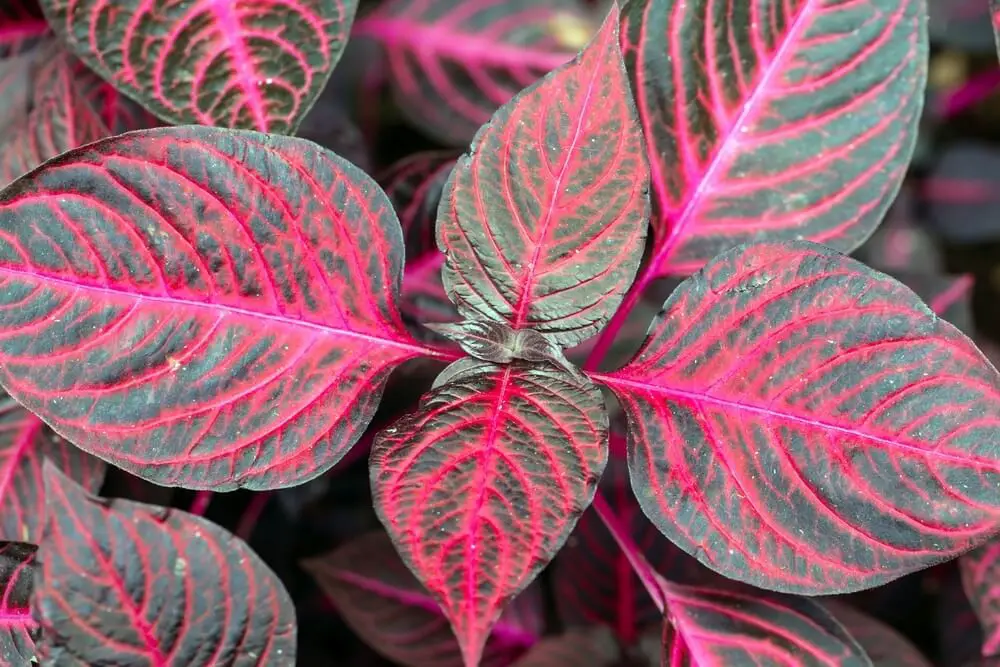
[216, 308]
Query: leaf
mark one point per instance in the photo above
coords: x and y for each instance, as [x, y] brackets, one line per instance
[481, 486]
[22, 26]
[543, 221]
[960, 194]
[388, 608]
[252, 64]
[884, 645]
[850, 430]
[773, 120]
[414, 186]
[190, 305]
[948, 296]
[711, 627]
[452, 63]
[981, 580]
[25, 443]
[122, 582]
[17, 627]
[593, 647]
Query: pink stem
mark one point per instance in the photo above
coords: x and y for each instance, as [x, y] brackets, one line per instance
[607, 337]
[249, 519]
[650, 579]
[972, 92]
[200, 503]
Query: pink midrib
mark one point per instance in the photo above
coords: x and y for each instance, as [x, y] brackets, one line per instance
[229, 26]
[24, 440]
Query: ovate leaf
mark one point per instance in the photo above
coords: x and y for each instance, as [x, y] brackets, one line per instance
[482, 485]
[593, 647]
[774, 120]
[543, 221]
[201, 307]
[452, 63]
[850, 432]
[256, 64]
[17, 626]
[885, 646]
[981, 581]
[127, 583]
[387, 607]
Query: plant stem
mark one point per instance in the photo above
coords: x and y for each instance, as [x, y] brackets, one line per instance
[249, 519]
[607, 336]
[200, 503]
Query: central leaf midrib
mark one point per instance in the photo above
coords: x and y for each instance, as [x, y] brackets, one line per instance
[225, 15]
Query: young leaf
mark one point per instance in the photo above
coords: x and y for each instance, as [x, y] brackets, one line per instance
[22, 25]
[204, 308]
[543, 221]
[25, 443]
[482, 485]
[850, 431]
[452, 63]
[388, 608]
[593, 647]
[981, 581]
[122, 583]
[254, 64]
[884, 645]
[773, 120]
[17, 626]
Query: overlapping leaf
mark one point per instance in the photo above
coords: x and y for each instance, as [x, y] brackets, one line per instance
[770, 120]
[995, 20]
[948, 296]
[981, 581]
[452, 63]
[255, 64]
[22, 26]
[17, 626]
[414, 186]
[201, 307]
[482, 485]
[388, 608]
[128, 583]
[803, 423]
[884, 646]
[593, 647]
[543, 222]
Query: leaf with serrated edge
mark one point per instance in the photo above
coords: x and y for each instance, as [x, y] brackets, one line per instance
[851, 432]
[885, 646]
[17, 626]
[542, 224]
[204, 308]
[173, 588]
[251, 64]
[773, 120]
[481, 486]
[981, 580]
[387, 607]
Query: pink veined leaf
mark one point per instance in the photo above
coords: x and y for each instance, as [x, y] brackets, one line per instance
[723, 627]
[981, 581]
[452, 63]
[204, 308]
[119, 113]
[127, 583]
[22, 26]
[851, 430]
[481, 486]
[884, 646]
[252, 64]
[25, 443]
[17, 86]
[387, 607]
[773, 120]
[543, 222]
[414, 186]
[17, 626]
[948, 296]
[593, 647]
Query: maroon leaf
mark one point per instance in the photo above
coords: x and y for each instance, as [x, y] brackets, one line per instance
[981, 581]
[25, 443]
[22, 25]
[122, 582]
[710, 627]
[482, 485]
[257, 64]
[384, 604]
[190, 305]
[850, 430]
[884, 645]
[784, 120]
[17, 626]
[543, 222]
[593, 647]
[452, 63]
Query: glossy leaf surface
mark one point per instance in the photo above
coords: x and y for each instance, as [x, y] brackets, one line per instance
[452, 63]
[593, 647]
[481, 486]
[191, 305]
[981, 581]
[128, 583]
[253, 64]
[17, 626]
[387, 607]
[850, 429]
[543, 222]
[773, 120]
[884, 646]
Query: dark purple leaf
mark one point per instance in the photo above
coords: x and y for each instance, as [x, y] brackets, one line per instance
[590, 647]
[201, 307]
[22, 26]
[849, 430]
[481, 486]
[773, 120]
[256, 64]
[543, 221]
[884, 645]
[452, 63]
[126, 583]
[981, 581]
[17, 626]
[382, 601]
